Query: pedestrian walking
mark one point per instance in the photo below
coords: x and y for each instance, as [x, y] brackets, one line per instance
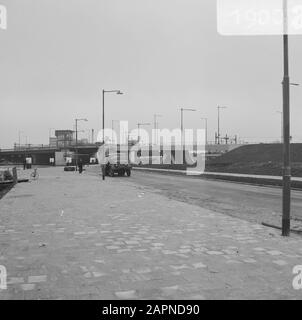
[80, 166]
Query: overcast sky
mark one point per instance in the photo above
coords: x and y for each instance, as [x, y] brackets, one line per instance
[56, 56]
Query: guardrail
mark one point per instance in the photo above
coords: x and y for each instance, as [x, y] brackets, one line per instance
[28, 147]
[31, 147]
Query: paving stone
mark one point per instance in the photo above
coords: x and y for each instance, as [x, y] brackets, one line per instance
[15, 280]
[169, 291]
[184, 250]
[123, 250]
[280, 262]
[199, 265]
[136, 249]
[215, 253]
[28, 286]
[233, 262]
[126, 295]
[180, 267]
[169, 252]
[143, 270]
[36, 279]
[98, 274]
[250, 260]
[274, 253]
[112, 247]
[132, 242]
[197, 297]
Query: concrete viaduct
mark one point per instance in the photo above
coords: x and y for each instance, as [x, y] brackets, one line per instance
[41, 155]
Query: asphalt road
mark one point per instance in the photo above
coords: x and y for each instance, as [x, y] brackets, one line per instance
[253, 203]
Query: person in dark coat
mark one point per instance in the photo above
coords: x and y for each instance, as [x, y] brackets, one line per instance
[24, 164]
[80, 166]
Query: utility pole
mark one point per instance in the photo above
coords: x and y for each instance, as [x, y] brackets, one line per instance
[103, 127]
[76, 158]
[218, 133]
[182, 127]
[103, 124]
[226, 139]
[286, 205]
[156, 127]
[76, 146]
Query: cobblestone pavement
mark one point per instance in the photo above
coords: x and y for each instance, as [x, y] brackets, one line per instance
[71, 236]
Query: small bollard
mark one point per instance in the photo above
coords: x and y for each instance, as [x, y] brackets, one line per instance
[15, 175]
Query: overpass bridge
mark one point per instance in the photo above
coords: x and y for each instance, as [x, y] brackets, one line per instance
[41, 154]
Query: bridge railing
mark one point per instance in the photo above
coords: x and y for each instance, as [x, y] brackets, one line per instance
[37, 147]
[28, 147]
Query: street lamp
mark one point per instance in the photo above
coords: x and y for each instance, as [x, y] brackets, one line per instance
[139, 125]
[103, 122]
[76, 127]
[218, 133]
[286, 193]
[182, 124]
[92, 136]
[156, 126]
[206, 128]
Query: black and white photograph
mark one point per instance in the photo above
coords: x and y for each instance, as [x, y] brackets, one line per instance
[150, 151]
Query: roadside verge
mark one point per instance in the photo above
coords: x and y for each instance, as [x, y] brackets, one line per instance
[239, 178]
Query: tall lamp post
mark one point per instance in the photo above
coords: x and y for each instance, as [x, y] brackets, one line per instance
[103, 123]
[92, 135]
[286, 194]
[206, 128]
[182, 125]
[76, 130]
[218, 132]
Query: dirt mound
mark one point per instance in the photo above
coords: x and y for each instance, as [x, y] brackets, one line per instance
[260, 159]
[259, 153]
